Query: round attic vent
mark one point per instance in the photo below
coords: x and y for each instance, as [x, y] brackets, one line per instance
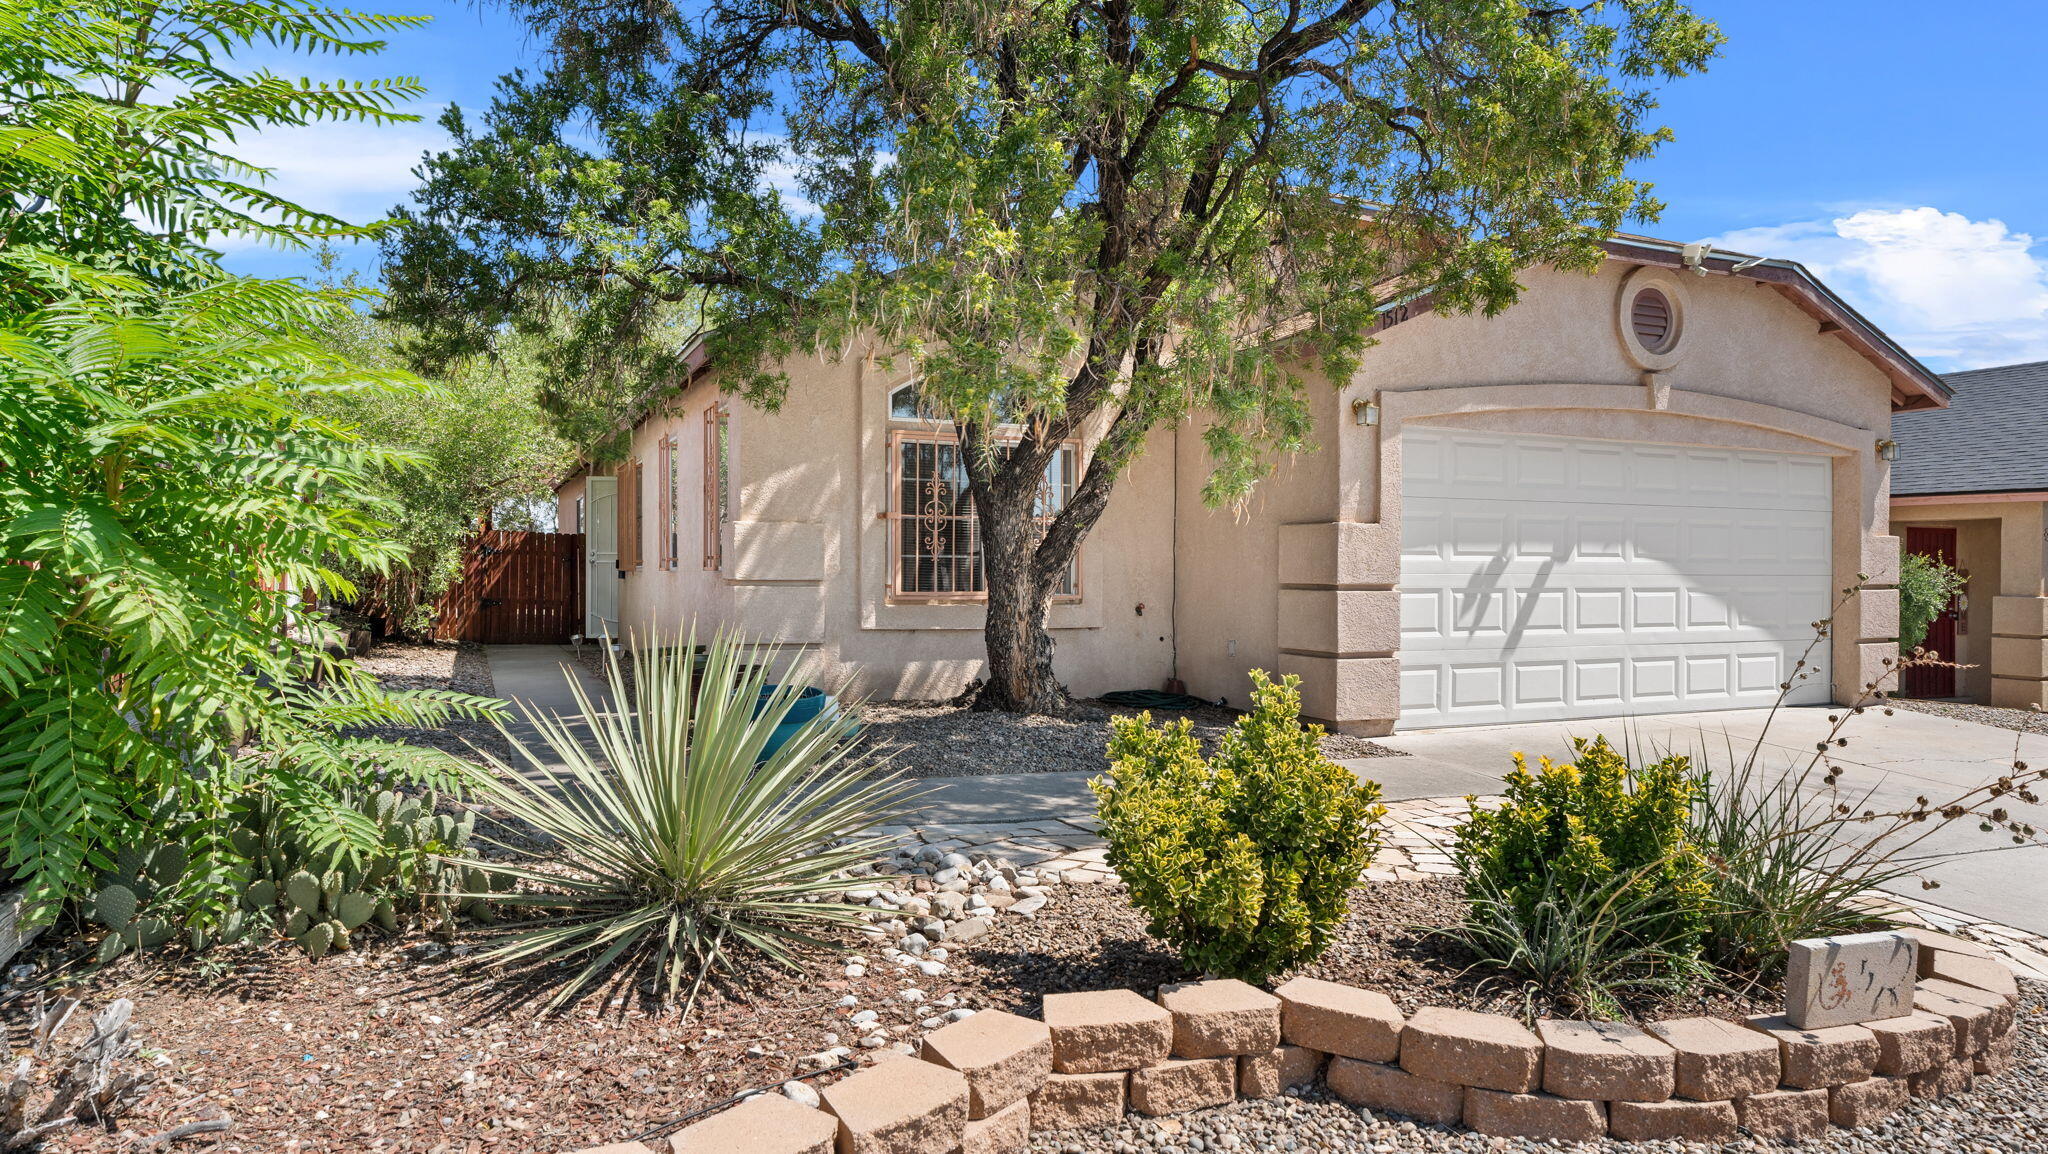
[1653, 321]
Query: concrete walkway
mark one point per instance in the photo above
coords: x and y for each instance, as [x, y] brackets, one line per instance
[1889, 762]
[538, 677]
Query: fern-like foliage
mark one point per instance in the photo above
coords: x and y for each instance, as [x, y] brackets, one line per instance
[171, 509]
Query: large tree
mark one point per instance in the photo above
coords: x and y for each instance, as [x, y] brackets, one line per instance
[1081, 217]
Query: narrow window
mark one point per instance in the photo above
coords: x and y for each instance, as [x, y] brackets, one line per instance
[672, 478]
[717, 484]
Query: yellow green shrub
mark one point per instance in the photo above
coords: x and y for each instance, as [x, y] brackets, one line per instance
[1594, 825]
[1242, 862]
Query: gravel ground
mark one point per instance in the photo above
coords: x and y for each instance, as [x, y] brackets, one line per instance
[939, 739]
[460, 666]
[2001, 1115]
[942, 739]
[1995, 715]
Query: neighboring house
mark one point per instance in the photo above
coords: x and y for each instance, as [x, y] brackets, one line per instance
[1971, 488]
[1634, 491]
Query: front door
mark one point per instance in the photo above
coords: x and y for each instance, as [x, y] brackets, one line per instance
[1937, 542]
[601, 551]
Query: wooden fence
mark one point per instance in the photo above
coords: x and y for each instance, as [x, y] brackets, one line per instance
[516, 589]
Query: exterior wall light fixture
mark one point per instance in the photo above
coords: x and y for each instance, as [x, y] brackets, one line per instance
[1887, 450]
[1364, 412]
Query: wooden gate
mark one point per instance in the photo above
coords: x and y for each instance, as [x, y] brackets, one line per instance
[515, 589]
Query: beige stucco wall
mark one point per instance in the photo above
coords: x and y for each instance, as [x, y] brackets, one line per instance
[1752, 370]
[806, 553]
[2001, 543]
[1302, 578]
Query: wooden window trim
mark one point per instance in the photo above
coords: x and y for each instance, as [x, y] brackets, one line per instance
[896, 517]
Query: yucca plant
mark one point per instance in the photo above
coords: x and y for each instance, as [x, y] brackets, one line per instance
[686, 839]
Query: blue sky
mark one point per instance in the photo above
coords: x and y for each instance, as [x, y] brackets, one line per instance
[1899, 151]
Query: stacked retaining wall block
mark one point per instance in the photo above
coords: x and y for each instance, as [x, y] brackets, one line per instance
[984, 1084]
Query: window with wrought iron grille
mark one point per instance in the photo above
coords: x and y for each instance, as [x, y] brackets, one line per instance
[935, 541]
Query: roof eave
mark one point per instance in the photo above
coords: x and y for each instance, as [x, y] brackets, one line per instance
[1914, 385]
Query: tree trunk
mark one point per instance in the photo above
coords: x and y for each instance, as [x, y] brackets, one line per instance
[1020, 649]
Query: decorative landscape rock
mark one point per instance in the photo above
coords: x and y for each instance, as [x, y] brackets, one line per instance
[1491, 1051]
[1182, 1084]
[899, 1106]
[1998, 1057]
[1784, 1115]
[1850, 978]
[1970, 1021]
[1270, 1074]
[1817, 1059]
[2000, 1007]
[1605, 1062]
[1866, 1103]
[1377, 1086]
[1220, 1018]
[1078, 1101]
[1107, 1030]
[1675, 1118]
[1543, 1117]
[1340, 1019]
[1912, 1044]
[763, 1124]
[1003, 1057]
[1980, 973]
[1953, 1076]
[1007, 1131]
[989, 1080]
[1716, 1059]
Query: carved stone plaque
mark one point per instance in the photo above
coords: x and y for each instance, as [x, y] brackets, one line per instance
[1852, 978]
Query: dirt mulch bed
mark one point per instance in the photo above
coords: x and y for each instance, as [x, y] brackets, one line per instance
[1098, 941]
[411, 1049]
[940, 739]
[456, 666]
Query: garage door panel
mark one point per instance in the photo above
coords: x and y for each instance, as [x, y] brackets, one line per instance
[1536, 608]
[1611, 472]
[1550, 578]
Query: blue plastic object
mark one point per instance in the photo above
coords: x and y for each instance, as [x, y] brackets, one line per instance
[810, 702]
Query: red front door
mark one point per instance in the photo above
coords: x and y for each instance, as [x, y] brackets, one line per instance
[1939, 543]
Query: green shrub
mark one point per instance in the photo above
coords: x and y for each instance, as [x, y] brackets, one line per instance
[681, 844]
[1594, 825]
[1243, 862]
[1926, 586]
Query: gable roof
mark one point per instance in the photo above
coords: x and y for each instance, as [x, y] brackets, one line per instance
[1914, 385]
[1989, 440]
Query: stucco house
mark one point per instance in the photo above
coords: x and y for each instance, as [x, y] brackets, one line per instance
[1971, 488]
[1635, 491]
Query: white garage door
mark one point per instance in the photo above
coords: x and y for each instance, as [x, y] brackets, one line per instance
[1551, 577]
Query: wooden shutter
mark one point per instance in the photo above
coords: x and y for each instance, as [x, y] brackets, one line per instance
[629, 516]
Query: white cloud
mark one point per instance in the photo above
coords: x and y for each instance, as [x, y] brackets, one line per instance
[1957, 292]
[351, 170]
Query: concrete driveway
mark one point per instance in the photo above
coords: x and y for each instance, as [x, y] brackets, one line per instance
[1895, 759]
